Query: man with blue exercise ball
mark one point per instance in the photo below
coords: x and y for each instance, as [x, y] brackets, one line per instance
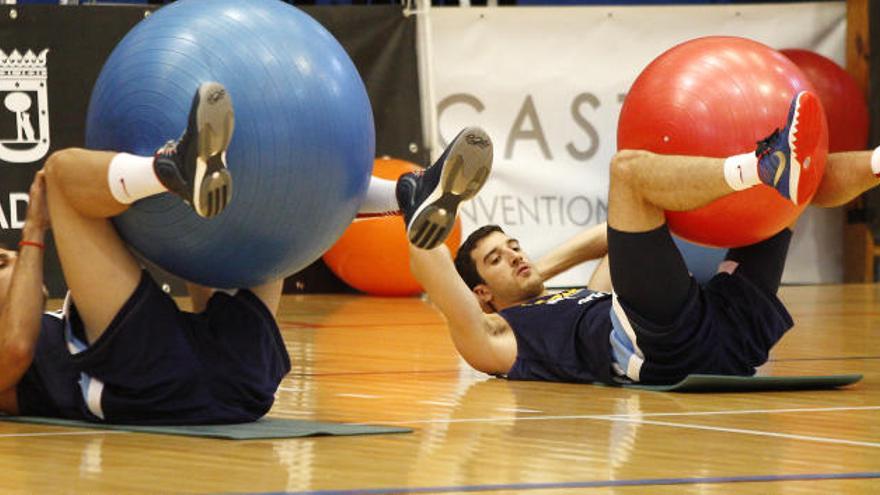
[659, 325]
[121, 351]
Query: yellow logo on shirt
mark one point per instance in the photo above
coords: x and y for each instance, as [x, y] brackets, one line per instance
[555, 298]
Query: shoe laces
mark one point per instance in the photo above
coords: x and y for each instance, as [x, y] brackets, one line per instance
[767, 144]
[168, 149]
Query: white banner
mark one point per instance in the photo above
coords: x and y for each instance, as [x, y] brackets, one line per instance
[547, 83]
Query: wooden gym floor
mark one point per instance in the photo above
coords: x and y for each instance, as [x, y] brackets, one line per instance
[390, 361]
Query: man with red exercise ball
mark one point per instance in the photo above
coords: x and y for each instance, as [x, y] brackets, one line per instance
[659, 325]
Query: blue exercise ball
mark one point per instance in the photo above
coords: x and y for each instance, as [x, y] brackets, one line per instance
[701, 261]
[301, 154]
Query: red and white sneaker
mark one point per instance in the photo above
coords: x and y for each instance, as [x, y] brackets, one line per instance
[786, 154]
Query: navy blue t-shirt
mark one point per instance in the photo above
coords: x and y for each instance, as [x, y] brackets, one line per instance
[562, 337]
[51, 383]
[726, 327]
[156, 364]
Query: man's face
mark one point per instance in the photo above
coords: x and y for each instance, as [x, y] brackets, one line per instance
[509, 277]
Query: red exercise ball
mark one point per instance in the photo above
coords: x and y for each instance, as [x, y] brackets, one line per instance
[373, 254]
[841, 96]
[716, 97]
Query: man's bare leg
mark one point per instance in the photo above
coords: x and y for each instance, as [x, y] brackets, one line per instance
[847, 175]
[85, 188]
[269, 293]
[647, 270]
[99, 270]
[644, 185]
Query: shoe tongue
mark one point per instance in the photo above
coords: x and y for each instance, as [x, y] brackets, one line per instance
[769, 141]
[405, 190]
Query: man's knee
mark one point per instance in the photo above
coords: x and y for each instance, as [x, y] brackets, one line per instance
[625, 175]
[628, 209]
[626, 164]
[59, 164]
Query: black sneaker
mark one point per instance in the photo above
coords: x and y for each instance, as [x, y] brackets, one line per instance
[194, 166]
[429, 199]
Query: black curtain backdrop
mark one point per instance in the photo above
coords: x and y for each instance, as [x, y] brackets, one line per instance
[45, 99]
[871, 212]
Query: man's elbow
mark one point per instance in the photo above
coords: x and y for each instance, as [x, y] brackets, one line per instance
[486, 366]
[489, 362]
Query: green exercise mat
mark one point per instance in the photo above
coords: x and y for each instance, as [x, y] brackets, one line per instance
[724, 383]
[262, 429]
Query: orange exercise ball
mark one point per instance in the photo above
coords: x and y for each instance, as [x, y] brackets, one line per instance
[716, 97]
[841, 96]
[373, 254]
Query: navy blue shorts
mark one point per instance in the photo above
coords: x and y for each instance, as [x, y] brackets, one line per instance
[726, 327]
[156, 364]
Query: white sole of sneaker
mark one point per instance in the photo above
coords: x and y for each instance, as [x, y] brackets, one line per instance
[465, 170]
[794, 166]
[215, 122]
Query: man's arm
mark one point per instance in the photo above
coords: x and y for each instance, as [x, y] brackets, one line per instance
[485, 341]
[588, 245]
[23, 308]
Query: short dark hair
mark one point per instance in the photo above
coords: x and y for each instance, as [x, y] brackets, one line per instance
[464, 262]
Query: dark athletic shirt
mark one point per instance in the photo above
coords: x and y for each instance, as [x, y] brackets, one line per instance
[727, 327]
[562, 337]
[156, 364]
[50, 386]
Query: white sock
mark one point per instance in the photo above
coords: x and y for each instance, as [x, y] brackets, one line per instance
[741, 171]
[131, 177]
[380, 200]
[875, 161]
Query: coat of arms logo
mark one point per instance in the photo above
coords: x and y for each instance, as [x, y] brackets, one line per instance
[26, 100]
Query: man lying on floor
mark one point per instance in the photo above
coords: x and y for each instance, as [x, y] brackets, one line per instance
[121, 351]
[659, 326]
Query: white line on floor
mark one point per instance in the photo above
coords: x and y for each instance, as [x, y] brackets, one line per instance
[360, 396]
[808, 438]
[635, 416]
[290, 389]
[518, 409]
[754, 411]
[437, 403]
